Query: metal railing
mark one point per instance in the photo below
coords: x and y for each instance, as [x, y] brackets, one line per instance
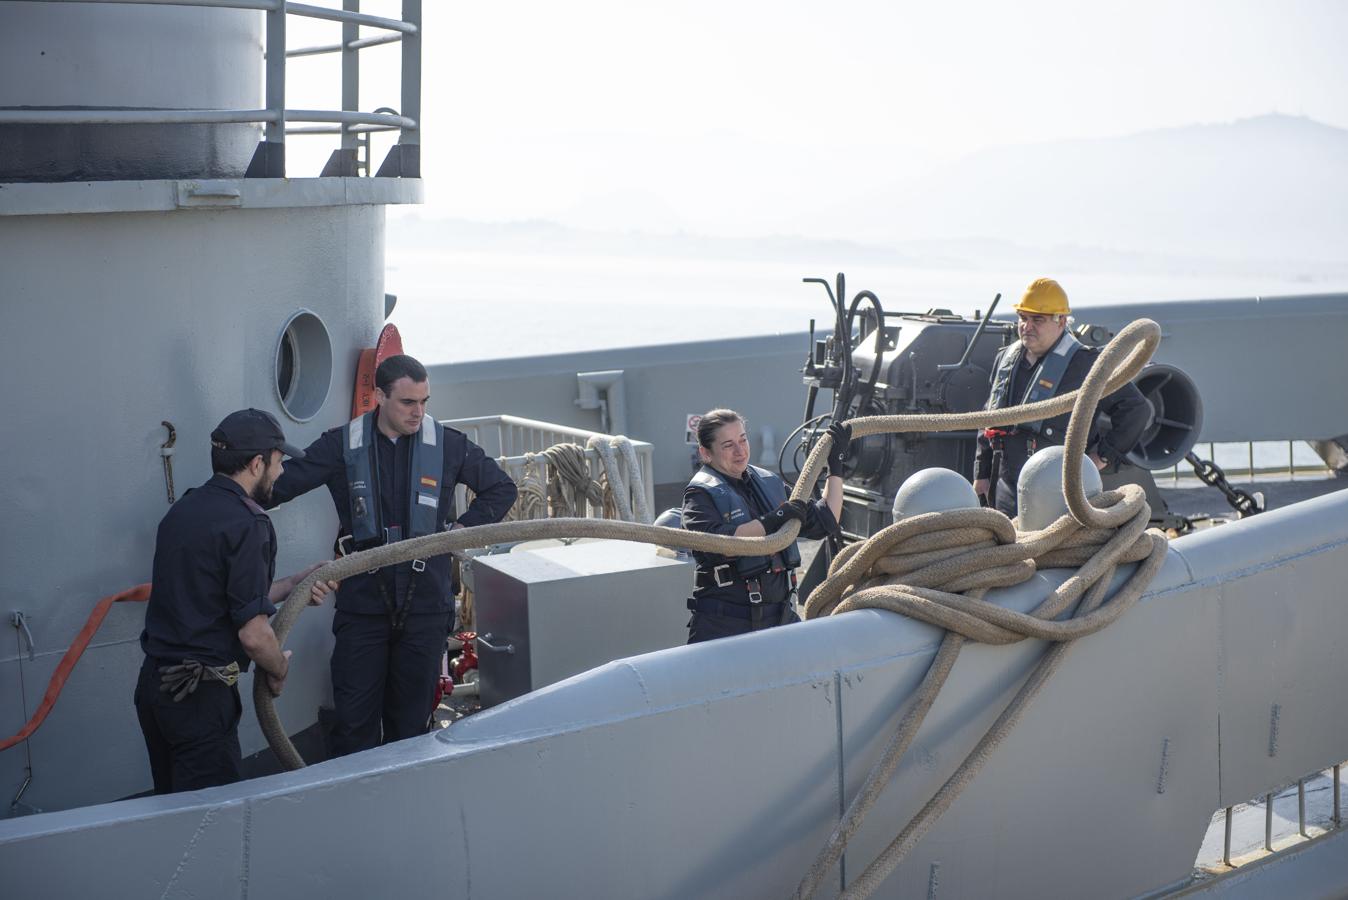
[1228, 455]
[1281, 831]
[404, 159]
[508, 438]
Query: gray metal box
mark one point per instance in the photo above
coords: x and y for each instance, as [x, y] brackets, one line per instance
[547, 613]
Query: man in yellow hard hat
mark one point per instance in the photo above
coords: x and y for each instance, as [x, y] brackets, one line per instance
[1048, 360]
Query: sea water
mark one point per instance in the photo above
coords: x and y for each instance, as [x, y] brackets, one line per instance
[461, 305]
[484, 302]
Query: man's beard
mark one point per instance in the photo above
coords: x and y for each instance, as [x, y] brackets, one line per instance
[261, 492]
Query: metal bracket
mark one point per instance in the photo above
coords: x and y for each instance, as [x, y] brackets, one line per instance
[166, 451]
[19, 621]
[484, 641]
[269, 161]
[343, 163]
[403, 161]
[208, 193]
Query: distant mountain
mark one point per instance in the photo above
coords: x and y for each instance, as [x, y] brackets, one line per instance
[1260, 196]
[1271, 187]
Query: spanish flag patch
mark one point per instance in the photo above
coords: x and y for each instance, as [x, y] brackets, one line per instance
[428, 481]
[1043, 383]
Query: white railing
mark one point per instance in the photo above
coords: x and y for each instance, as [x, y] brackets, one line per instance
[353, 125]
[1255, 461]
[508, 438]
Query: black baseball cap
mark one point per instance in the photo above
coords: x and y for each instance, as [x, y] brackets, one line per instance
[254, 431]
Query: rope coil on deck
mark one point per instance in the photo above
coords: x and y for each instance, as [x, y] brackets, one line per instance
[934, 567]
[558, 481]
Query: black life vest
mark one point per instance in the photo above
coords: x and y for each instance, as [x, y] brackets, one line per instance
[1044, 380]
[428, 467]
[770, 491]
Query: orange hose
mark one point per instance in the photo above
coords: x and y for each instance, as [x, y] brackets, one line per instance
[138, 594]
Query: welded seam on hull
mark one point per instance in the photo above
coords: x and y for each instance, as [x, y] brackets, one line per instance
[245, 855]
[641, 682]
[467, 854]
[1221, 688]
[842, 775]
[206, 821]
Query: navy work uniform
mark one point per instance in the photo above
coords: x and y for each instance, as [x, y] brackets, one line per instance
[736, 595]
[1015, 381]
[214, 561]
[391, 624]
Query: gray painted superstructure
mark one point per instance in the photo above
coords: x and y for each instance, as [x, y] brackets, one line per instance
[717, 770]
[146, 282]
[1245, 356]
[119, 321]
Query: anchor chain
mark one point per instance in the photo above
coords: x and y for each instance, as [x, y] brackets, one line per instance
[1212, 475]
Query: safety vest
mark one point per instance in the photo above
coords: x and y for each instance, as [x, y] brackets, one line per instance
[1044, 380]
[428, 467]
[769, 490]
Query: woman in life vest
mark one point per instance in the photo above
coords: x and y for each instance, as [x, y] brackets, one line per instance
[735, 595]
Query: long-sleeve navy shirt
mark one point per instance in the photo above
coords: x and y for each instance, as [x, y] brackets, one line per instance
[699, 514]
[214, 561]
[465, 463]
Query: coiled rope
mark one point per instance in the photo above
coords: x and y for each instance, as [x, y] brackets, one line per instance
[623, 473]
[557, 482]
[934, 567]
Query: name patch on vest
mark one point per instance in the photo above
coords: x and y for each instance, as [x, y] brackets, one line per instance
[428, 500]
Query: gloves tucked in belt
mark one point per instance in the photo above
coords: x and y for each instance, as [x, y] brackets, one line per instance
[776, 520]
[183, 679]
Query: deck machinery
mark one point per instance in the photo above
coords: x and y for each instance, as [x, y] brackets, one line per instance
[934, 362]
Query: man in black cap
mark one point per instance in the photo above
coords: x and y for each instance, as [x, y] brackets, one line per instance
[210, 599]
[392, 474]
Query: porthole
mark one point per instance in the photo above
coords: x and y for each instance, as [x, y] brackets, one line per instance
[303, 366]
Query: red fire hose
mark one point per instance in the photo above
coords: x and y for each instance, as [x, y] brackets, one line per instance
[138, 594]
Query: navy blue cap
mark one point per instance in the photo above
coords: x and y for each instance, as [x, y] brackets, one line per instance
[254, 431]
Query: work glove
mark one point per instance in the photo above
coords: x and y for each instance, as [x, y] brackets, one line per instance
[842, 438]
[776, 520]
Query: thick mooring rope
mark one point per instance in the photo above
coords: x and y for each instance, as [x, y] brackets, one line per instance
[935, 567]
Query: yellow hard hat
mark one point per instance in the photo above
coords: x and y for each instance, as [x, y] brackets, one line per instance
[1044, 297]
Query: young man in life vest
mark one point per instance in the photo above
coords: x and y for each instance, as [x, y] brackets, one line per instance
[1047, 361]
[391, 474]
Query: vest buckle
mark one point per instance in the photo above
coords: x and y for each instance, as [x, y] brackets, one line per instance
[418, 565]
[344, 542]
[755, 590]
[729, 577]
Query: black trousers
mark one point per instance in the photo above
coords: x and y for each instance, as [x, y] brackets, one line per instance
[703, 626]
[383, 684]
[193, 743]
[1006, 497]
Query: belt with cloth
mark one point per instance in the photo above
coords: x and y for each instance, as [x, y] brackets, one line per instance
[181, 679]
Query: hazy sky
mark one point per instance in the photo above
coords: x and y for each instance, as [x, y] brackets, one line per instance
[719, 116]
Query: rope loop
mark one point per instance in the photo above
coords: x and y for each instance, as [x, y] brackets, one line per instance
[936, 568]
